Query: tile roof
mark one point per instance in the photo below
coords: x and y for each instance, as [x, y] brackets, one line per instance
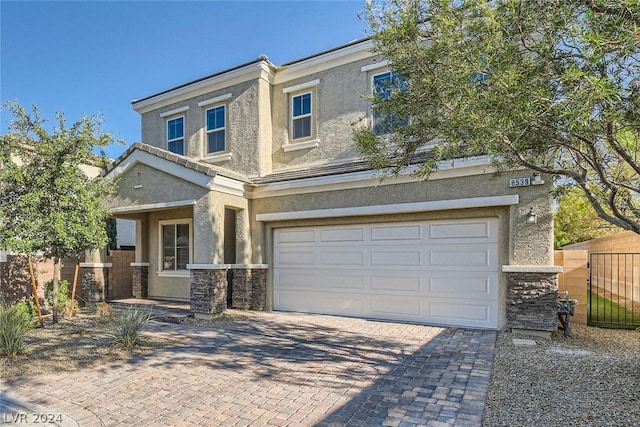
[212, 171]
[184, 161]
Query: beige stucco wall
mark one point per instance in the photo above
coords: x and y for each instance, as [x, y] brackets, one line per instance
[249, 103]
[338, 102]
[157, 187]
[523, 243]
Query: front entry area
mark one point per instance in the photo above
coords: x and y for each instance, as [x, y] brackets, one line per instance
[436, 272]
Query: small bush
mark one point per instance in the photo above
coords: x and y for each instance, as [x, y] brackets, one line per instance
[28, 307]
[64, 293]
[14, 324]
[124, 326]
[70, 309]
[104, 312]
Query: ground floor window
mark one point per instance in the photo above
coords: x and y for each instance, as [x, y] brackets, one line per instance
[175, 245]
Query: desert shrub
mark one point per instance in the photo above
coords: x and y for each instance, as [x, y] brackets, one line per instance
[64, 293]
[70, 309]
[14, 324]
[124, 326]
[28, 307]
[103, 311]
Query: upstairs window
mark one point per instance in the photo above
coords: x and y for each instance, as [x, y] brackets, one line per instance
[383, 86]
[301, 115]
[175, 135]
[216, 126]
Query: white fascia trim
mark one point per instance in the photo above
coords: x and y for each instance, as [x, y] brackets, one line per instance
[222, 81]
[228, 186]
[175, 273]
[376, 65]
[215, 100]
[174, 111]
[208, 266]
[295, 146]
[162, 165]
[95, 264]
[301, 86]
[531, 269]
[248, 266]
[450, 169]
[316, 64]
[153, 206]
[398, 208]
[217, 158]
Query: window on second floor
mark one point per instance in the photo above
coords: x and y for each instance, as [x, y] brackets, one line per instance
[382, 87]
[216, 129]
[301, 115]
[175, 135]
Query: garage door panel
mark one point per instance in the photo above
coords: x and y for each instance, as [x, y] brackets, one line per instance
[295, 236]
[395, 307]
[296, 258]
[354, 258]
[293, 279]
[463, 231]
[395, 258]
[409, 283]
[467, 284]
[464, 256]
[396, 232]
[324, 303]
[439, 272]
[463, 313]
[343, 235]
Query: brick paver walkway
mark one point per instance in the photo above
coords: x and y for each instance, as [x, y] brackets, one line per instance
[283, 369]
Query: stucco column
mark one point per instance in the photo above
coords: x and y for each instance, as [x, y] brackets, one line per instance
[208, 289]
[532, 293]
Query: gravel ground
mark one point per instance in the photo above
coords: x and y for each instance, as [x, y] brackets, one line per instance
[81, 342]
[590, 379]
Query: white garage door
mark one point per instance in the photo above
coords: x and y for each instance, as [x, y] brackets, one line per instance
[437, 272]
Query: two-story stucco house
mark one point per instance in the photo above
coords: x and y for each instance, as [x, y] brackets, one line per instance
[253, 171]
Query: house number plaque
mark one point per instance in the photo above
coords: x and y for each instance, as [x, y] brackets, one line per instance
[519, 182]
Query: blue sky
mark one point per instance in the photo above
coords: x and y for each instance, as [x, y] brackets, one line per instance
[94, 57]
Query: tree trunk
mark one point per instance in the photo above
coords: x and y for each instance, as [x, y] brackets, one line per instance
[56, 287]
[36, 299]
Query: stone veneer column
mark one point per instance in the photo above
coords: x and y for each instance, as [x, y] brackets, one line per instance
[95, 277]
[208, 289]
[532, 293]
[140, 280]
[249, 286]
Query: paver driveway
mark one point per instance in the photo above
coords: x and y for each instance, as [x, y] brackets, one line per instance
[284, 369]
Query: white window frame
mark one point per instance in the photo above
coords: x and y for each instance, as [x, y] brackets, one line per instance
[174, 273]
[373, 107]
[223, 128]
[183, 138]
[292, 119]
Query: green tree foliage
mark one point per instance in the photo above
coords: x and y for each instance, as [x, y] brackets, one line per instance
[551, 85]
[575, 220]
[47, 203]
